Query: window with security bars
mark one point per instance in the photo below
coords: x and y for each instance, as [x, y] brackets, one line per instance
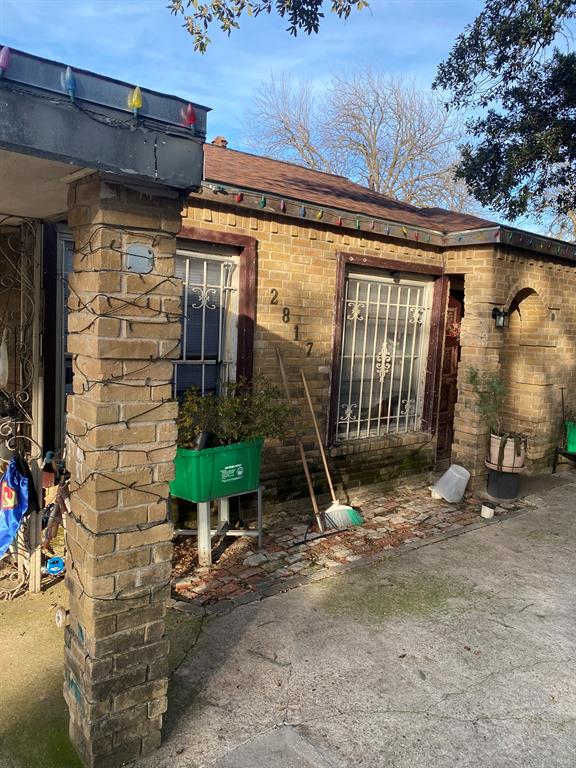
[385, 332]
[209, 323]
[210, 297]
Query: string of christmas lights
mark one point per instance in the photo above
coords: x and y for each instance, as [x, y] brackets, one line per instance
[116, 307]
[375, 225]
[121, 594]
[134, 101]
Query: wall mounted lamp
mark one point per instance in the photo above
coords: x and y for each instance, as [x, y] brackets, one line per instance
[500, 317]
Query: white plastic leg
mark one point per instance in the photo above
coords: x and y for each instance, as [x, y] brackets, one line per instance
[223, 512]
[204, 537]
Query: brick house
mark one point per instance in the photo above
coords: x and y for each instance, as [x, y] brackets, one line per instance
[357, 289]
[383, 304]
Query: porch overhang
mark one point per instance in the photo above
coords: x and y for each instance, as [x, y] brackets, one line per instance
[96, 129]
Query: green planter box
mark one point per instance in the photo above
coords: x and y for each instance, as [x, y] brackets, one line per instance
[215, 472]
[570, 436]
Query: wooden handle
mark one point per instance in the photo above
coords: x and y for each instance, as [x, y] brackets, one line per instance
[319, 438]
[318, 516]
[283, 375]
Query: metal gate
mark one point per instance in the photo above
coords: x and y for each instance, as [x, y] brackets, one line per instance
[20, 398]
[384, 343]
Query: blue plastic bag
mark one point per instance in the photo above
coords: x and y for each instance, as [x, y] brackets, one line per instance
[14, 496]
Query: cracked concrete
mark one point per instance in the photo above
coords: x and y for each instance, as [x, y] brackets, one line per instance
[459, 654]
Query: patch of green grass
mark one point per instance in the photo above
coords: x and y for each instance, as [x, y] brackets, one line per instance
[33, 713]
[35, 733]
[373, 600]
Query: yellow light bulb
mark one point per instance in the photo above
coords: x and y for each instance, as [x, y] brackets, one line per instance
[135, 100]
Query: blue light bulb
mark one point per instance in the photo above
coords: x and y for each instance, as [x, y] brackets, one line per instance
[68, 82]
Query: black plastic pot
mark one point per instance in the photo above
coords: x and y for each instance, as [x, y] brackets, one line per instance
[502, 485]
[205, 440]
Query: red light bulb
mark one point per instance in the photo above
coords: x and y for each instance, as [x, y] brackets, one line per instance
[189, 116]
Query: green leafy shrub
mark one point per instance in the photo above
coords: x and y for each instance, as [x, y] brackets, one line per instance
[246, 411]
[491, 391]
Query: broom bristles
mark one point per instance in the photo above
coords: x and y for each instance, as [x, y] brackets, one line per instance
[342, 516]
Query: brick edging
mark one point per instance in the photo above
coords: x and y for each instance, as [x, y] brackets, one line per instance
[271, 587]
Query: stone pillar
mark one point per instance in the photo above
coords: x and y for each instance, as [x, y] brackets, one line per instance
[480, 343]
[124, 331]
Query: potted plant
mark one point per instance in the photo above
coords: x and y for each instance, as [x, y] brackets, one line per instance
[220, 439]
[507, 451]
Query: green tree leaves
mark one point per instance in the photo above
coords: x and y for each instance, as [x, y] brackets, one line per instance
[514, 68]
[302, 15]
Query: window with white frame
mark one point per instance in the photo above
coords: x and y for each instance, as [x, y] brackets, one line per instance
[385, 329]
[209, 323]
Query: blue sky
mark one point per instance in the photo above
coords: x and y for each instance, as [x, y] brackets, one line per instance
[140, 42]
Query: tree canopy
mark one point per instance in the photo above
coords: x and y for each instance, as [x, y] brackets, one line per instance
[514, 69]
[378, 130]
[302, 15]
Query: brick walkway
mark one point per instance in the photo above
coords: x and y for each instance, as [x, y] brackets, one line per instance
[290, 557]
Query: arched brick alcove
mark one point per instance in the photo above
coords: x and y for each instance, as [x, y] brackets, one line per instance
[528, 364]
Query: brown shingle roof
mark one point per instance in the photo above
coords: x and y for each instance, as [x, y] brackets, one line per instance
[276, 177]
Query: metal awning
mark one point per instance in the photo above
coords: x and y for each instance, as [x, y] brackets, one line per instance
[95, 128]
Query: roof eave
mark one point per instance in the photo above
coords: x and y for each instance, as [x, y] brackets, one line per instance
[261, 201]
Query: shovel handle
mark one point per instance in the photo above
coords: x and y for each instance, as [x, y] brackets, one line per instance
[318, 437]
[317, 514]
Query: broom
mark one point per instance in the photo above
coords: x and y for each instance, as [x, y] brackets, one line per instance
[337, 515]
[317, 514]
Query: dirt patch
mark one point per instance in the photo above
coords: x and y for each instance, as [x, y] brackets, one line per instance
[33, 713]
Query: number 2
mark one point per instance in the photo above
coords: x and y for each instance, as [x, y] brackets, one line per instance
[274, 299]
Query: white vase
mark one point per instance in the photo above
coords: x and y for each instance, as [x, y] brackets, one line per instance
[510, 461]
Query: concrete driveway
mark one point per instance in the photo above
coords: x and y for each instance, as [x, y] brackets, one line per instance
[459, 653]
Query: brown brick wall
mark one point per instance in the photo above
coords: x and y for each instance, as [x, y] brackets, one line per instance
[536, 355]
[121, 443]
[298, 259]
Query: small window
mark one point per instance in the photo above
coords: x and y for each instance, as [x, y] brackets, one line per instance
[385, 328]
[209, 324]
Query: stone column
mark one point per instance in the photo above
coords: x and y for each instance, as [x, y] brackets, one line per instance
[481, 343]
[124, 331]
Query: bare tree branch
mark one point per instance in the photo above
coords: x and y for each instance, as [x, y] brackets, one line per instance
[283, 123]
[380, 131]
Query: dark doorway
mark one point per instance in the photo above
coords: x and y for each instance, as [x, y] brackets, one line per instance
[449, 383]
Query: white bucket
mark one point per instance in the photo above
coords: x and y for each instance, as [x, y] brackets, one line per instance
[487, 511]
[452, 484]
